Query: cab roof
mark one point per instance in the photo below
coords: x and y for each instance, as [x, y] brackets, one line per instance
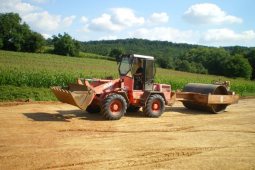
[143, 56]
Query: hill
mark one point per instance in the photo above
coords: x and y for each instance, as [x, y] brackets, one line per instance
[233, 61]
[29, 75]
[148, 47]
[140, 46]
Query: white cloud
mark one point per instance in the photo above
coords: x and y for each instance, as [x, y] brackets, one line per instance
[227, 36]
[16, 6]
[84, 20]
[118, 20]
[43, 21]
[104, 23]
[126, 17]
[84, 29]
[67, 21]
[40, 1]
[211, 37]
[165, 34]
[207, 13]
[158, 18]
[38, 19]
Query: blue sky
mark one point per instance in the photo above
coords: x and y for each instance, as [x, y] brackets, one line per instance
[212, 22]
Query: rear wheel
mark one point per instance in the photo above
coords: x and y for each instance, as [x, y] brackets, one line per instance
[155, 106]
[114, 107]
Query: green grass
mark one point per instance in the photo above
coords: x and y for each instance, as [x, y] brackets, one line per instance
[178, 79]
[11, 93]
[29, 75]
[95, 56]
[45, 70]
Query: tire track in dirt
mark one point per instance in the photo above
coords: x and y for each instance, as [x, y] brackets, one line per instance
[128, 131]
[141, 159]
[74, 164]
[211, 130]
[157, 157]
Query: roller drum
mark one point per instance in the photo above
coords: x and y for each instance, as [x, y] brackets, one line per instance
[205, 89]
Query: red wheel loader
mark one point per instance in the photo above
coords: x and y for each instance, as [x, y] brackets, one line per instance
[136, 89]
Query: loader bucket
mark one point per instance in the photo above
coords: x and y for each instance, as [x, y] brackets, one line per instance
[75, 94]
[207, 97]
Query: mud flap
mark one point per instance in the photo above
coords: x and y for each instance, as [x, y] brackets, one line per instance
[74, 95]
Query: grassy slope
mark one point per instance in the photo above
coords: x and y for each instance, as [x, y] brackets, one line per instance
[29, 75]
[20, 72]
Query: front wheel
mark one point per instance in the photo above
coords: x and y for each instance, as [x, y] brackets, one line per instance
[155, 106]
[114, 107]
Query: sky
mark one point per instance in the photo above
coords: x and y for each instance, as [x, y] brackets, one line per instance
[212, 22]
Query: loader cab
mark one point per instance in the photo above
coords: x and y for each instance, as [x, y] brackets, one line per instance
[140, 68]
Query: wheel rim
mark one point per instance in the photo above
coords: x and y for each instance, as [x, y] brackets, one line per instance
[156, 106]
[116, 107]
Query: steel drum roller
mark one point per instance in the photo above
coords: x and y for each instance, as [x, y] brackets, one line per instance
[205, 89]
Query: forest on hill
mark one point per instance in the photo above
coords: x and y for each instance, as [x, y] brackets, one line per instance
[233, 61]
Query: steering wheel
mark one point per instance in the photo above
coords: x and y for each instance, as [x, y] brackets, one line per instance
[138, 77]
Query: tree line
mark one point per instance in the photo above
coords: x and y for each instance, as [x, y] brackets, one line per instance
[16, 35]
[235, 61]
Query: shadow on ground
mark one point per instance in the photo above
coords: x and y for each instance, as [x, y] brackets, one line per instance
[138, 114]
[184, 110]
[41, 116]
[64, 116]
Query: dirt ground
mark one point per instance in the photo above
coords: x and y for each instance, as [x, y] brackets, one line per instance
[59, 136]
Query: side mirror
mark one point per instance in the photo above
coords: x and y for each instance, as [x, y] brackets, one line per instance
[118, 59]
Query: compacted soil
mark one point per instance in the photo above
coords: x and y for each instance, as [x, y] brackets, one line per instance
[59, 136]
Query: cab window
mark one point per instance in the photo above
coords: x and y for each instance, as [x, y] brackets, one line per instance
[124, 66]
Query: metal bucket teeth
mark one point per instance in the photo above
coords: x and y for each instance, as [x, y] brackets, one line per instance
[60, 90]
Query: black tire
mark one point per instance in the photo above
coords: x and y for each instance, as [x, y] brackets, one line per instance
[159, 103]
[132, 108]
[114, 107]
[92, 108]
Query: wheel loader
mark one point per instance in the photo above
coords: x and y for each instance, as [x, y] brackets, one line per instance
[135, 89]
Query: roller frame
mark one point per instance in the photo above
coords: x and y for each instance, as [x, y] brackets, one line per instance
[206, 98]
